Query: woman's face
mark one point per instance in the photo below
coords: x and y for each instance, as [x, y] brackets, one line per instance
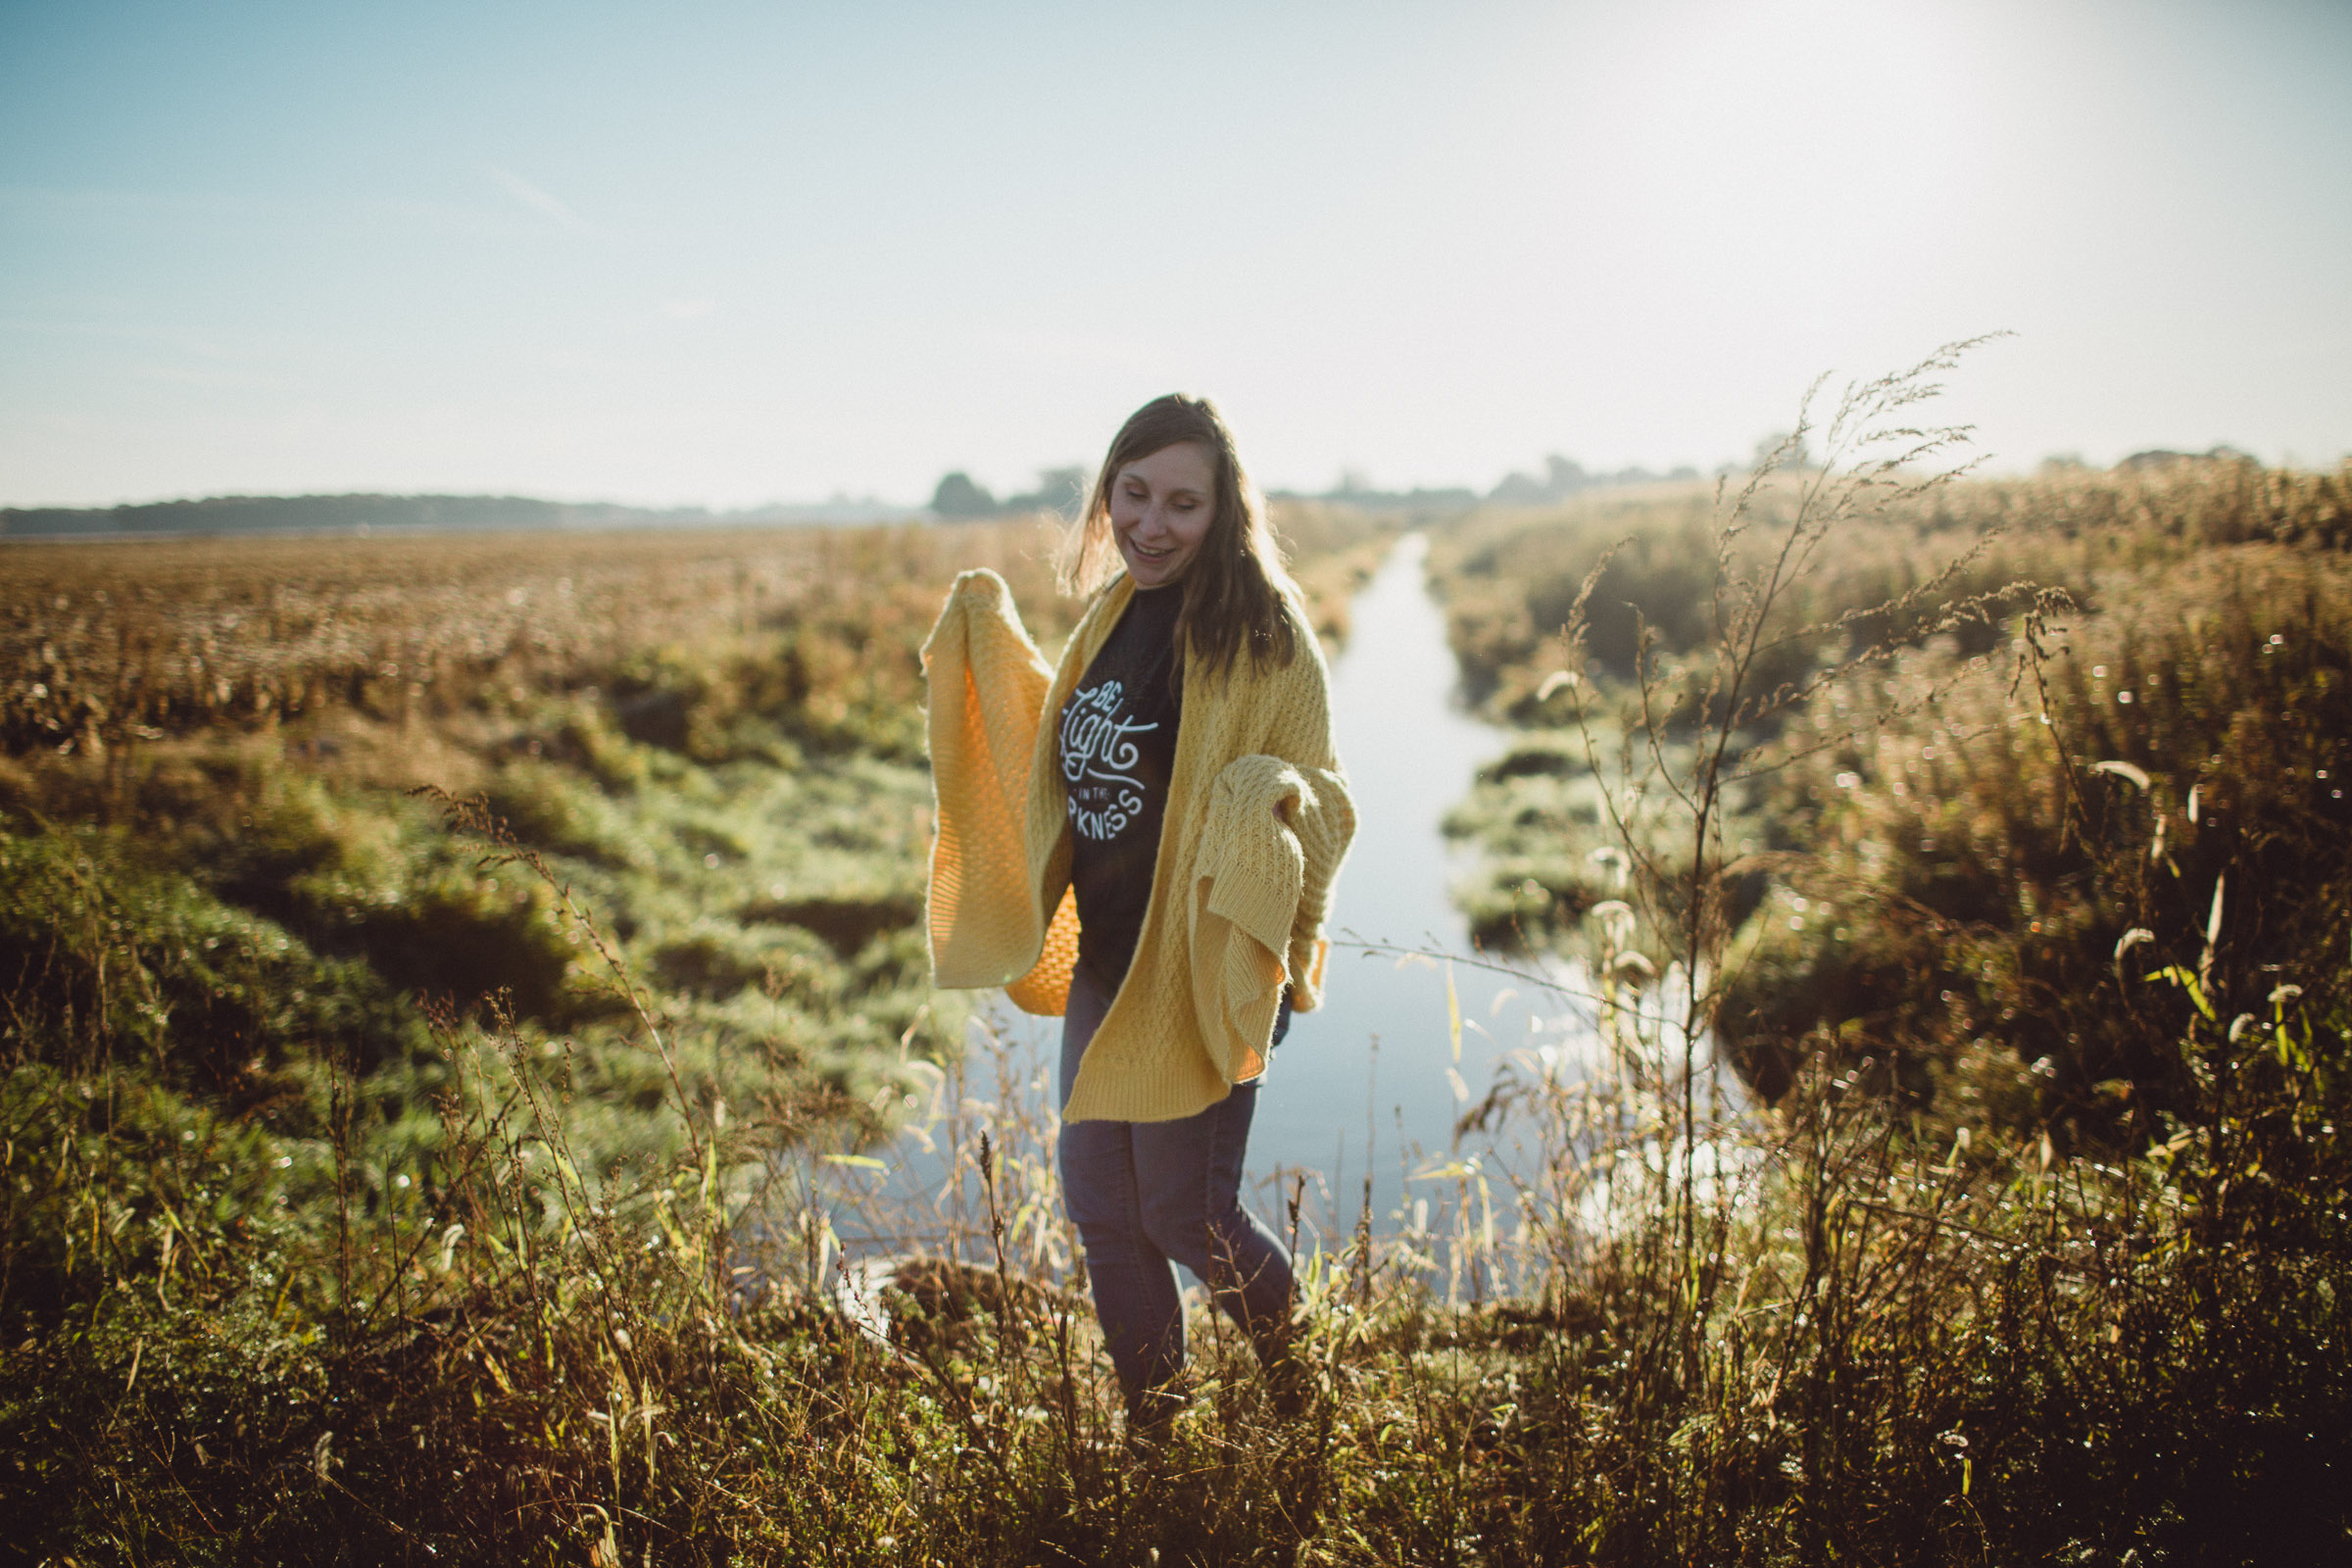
[1160, 510]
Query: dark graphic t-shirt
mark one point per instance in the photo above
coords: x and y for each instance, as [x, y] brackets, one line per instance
[1117, 746]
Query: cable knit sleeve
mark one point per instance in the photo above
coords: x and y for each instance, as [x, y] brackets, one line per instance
[1261, 884]
[1323, 829]
[1323, 826]
[986, 683]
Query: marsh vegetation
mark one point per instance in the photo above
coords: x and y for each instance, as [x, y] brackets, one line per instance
[454, 1176]
[1992, 835]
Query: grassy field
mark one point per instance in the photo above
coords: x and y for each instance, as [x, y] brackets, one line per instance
[389, 1180]
[225, 873]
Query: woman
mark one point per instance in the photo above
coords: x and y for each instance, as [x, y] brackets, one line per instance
[1143, 841]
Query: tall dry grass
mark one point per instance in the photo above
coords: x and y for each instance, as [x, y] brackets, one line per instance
[2048, 1209]
[1837, 1340]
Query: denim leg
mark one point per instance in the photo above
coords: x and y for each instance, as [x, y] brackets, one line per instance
[1134, 1283]
[1189, 1181]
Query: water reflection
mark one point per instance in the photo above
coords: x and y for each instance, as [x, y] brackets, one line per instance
[1372, 1084]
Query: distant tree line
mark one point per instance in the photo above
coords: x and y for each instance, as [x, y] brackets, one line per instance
[959, 496]
[1563, 477]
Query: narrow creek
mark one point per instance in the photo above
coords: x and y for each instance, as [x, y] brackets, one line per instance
[1369, 1084]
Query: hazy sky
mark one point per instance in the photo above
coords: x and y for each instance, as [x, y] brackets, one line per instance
[734, 253]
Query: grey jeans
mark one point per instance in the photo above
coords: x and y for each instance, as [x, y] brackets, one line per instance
[1147, 1195]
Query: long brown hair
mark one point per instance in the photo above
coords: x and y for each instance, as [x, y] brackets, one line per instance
[1236, 591]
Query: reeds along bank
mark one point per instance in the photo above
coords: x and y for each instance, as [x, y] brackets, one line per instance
[1946, 845]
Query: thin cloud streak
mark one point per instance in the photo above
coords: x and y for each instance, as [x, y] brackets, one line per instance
[539, 201]
[183, 376]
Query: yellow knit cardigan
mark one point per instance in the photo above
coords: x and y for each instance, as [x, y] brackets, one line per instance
[1257, 820]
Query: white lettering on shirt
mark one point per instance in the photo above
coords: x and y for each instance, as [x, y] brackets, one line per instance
[1099, 759]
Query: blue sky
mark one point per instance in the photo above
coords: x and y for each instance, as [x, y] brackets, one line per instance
[726, 253]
